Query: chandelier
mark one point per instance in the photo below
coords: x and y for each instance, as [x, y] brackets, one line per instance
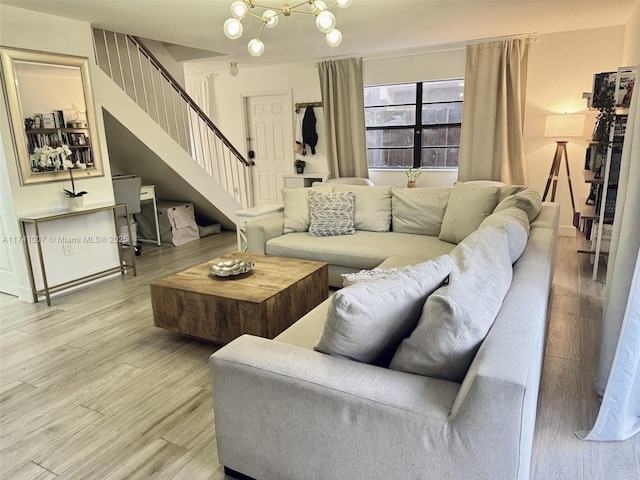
[325, 20]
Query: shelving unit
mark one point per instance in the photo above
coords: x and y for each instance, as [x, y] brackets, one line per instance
[595, 217]
[77, 139]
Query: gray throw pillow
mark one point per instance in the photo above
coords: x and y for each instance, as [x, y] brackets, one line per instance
[509, 190]
[367, 321]
[457, 317]
[468, 206]
[505, 190]
[528, 200]
[515, 222]
[331, 213]
[419, 210]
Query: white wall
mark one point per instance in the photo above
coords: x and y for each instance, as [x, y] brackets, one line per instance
[166, 59]
[302, 80]
[25, 29]
[436, 64]
[631, 53]
[561, 68]
[31, 30]
[227, 101]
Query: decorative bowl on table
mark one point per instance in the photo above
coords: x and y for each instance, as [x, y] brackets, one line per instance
[230, 268]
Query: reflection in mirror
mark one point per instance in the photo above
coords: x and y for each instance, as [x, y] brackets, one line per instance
[52, 116]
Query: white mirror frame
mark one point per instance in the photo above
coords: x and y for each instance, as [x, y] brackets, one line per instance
[29, 175]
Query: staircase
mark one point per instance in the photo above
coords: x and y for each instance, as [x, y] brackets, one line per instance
[163, 135]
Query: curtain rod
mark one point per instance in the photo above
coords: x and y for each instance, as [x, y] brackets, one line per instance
[437, 48]
[447, 47]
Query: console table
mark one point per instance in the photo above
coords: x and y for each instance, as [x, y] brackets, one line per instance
[36, 238]
[303, 180]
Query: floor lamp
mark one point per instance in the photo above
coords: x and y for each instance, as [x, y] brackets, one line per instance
[561, 127]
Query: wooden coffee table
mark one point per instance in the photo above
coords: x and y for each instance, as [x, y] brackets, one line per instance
[264, 302]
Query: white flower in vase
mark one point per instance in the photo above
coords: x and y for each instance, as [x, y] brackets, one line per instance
[69, 165]
[48, 158]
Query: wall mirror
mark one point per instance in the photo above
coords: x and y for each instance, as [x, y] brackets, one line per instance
[52, 116]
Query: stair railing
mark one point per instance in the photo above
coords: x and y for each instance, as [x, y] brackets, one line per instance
[141, 76]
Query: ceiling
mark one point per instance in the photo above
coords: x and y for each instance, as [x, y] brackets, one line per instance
[369, 27]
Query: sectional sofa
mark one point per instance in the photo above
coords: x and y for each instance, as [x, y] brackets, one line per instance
[388, 221]
[425, 368]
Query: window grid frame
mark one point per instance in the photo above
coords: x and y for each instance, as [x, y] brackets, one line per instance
[417, 127]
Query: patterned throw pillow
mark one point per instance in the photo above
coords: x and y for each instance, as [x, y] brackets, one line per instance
[331, 213]
[370, 275]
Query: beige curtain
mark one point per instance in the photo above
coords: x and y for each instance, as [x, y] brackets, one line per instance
[343, 104]
[197, 86]
[491, 146]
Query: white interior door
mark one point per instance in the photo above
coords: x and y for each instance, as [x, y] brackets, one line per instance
[269, 119]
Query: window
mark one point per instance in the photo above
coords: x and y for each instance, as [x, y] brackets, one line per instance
[414, 124]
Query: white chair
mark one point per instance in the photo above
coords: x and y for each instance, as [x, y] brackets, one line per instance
[126, 189]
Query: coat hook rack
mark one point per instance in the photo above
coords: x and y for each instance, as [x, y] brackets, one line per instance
[307, 104]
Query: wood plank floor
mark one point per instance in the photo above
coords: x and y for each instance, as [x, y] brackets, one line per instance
[90, 389]
[567, 401]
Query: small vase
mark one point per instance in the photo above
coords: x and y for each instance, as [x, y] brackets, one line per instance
[75, 203]
[299, 169]
[411, 184]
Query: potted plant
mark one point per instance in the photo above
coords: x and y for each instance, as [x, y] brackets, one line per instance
[412, 176]
[299, 164]
[75, 199]
[604, 100]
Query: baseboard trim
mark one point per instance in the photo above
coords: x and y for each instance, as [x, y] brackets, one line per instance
[236, 475]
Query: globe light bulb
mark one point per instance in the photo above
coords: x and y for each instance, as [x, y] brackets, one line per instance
[256, 47]
[232, 28]
[343, 3]
[239, 9]
[334, 38]
[325, 21]
[270, 18]
[318, 6]
[233, 69]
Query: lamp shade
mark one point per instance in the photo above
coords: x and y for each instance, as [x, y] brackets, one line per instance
[563, 126]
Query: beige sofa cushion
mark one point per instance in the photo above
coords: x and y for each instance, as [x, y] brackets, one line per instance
[468, 206]
[367, 321]
[527, 200]
[515, 222]
[296, 207]
[373, 206]
[505, 190]
[362, 250]
[457, 317]
[508, 190]
[419, 210]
